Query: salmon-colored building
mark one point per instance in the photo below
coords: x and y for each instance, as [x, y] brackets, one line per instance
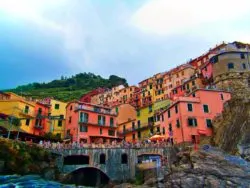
[90, 123]
[190, 117]
[41, 124]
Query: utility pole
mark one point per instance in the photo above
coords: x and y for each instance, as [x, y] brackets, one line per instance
[10, 122]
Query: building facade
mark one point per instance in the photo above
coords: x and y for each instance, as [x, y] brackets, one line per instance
[90, 123]
[190, 117]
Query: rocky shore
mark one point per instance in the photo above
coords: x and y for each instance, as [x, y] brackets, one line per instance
[199, 169]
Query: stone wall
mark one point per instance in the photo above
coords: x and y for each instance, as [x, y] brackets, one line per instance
[113, 167]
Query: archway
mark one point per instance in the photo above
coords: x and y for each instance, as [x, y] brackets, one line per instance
[88, 176]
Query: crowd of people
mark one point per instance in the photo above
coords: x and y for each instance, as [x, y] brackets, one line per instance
[114, 144]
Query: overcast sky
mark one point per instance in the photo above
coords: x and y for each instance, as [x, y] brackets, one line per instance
[40, 40]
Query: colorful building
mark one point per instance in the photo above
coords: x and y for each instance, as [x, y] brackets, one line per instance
[190, 117]
[12, 105]
[90, 123]
[57, 116]
[126, 121]
[41, 123]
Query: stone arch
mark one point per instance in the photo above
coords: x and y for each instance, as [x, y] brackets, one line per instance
[88, 176]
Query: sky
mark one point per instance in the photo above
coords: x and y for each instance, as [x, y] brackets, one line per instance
[41, 40]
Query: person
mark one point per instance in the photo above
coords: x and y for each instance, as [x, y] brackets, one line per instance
[41, 143]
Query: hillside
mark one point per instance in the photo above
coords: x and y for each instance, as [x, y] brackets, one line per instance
[66, 89]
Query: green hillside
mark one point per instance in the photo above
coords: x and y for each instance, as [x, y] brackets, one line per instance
[66, 89]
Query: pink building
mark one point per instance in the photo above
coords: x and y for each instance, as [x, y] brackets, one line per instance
[190, 117]
[90, 123]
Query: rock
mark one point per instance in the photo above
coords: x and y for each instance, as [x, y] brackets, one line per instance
[49, 174]
[2, 164]
[151, 182]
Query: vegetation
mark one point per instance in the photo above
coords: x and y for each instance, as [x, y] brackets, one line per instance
[66, 89]
[22, 158]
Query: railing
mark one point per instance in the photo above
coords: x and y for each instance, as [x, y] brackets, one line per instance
[27, 112]
[38, 126]
[96, 124]
[99, 110]
[132, 129]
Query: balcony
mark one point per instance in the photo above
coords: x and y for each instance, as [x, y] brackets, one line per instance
[97, 125]
[139, 128]
[27, 113]
[96, 110]
[38, 127]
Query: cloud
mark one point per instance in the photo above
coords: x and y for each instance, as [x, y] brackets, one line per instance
[167, 17]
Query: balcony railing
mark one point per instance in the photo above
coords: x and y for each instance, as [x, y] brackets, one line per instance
[92, 109]
[38, 126]
[139, 128]
[27, 112]
[97, 124]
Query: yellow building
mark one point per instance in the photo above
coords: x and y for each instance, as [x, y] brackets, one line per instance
[58, 114]
[16, 106]
[148, 120]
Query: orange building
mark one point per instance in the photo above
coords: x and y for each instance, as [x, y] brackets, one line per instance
[90, 123]
[190, 117]
[126, 120]
[41, 125]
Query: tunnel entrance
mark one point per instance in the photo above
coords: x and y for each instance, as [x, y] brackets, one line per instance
[76, 160]
[89, 176]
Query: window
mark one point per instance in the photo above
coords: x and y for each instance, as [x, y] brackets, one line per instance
[214, 59]
[70, 119]
[124, 128]
[70, 107]
[111, 132]
[26, 110]
[139, 123]
[83, 128]
[117, 110]
[139, 134]
[182, 73]
[152, 131]
[230, 66]
[100, 130]
[101, 120]
[221, 96]
[176, 109]
[193, 83]
[193, 94]
[57, 106]
[96, 109]
[242, 56]
[205, 108]
[205, 68]
[124, 158]
[133, 125]
[59, 123]
[148, 92]
[187, 86]
[209, 123]
[138, 112]
[192, 122]
[163, 130]
[133, 136]
[162, 117]
[111, 122]
[178, 123]
[190, 107]
[27, 122]
[150, 86]
[244, 66]
[170, 127]
[84, 117]
[150, 108]
[158, 129]
[102, 158]
[131, 89]
[40, 111]
[169, 114]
